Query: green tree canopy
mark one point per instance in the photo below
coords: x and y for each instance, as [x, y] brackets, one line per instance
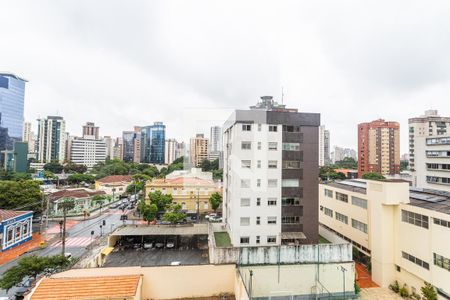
[162, 201]
[215, 200]
[373, 176]
[79, 178]
[329, 173]
[75, 168]
[428, 292]
[174, 214]
[31, 266]
[346, 163]
[148, 211]
[22, 195]
[54, 167]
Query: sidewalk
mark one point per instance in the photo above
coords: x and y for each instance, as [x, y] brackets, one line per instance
[15, 252]
[363, 278]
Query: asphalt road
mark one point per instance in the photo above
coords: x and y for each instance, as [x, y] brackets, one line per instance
[78, 238]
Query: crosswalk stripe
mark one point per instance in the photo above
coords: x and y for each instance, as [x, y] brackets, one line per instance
[74, 241]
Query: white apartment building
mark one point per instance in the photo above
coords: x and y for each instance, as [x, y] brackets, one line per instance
[324, 146]
[170, 149]
[429, 151]
[405, 231]
[86, 151]
[29, 137]
[215, 139]
[270, 176]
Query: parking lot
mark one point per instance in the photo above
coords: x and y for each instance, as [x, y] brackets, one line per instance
[158, 245]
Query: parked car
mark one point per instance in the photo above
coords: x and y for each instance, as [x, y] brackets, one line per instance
[207, 217]
[159, 245]
[215, 219]
[148, 245]
[170, 243]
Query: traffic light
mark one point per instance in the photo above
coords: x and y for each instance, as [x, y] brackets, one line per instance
[104, 222]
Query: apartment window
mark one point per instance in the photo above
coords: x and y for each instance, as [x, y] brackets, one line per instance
[290, 183]
[290, 219]
[272, 220]
[359, 225]
[415, 260]
[259, 127]
[328, 212]
[245, 240]
[272, 164]
[273, 145]
[258, 201]
[245, 221]
[342, 218]
[259, 145]
[258, 220]
[271, 239]
[441, 222]
[290, 201]
[272, 183]
[291, 164]
[289, 128]
[273, 128]
[441, 261]
[258, 182]
[328, 193]
[342, 197]
[258, 164]
[246, 145]
[414, 218]
[245, 201]
[246, 127]
[246, 164]
[359, 202]
[258, 240]
[291, 146]
[271, 201]
[245, 183]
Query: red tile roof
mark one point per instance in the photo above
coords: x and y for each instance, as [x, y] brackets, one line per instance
[8, 214]
[115, 178]
[80, 288]
[78, 193]
[183, 181]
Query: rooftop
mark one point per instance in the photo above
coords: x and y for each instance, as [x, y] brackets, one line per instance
[9, 214]
[9, 74]
[197, 229]
[76, 193]
[183, 181]
[435, 200]
[103, 287]
[115, 178]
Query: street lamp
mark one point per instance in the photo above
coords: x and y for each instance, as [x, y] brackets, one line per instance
[101, 230]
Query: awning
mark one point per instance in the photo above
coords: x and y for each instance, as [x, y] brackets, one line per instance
[107, 250]
[293, 236]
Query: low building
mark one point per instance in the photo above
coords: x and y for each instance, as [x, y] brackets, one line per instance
[114, 185]
[405, 231]
[83, 200]
[187, 191]
[15, 228]
[349, 173]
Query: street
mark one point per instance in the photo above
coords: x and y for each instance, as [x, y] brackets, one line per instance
[78, 238]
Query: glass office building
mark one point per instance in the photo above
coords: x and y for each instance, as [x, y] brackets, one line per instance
[12, 92]
[152, 143]
[128, 145]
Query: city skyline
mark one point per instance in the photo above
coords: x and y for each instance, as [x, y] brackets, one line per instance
[167, 75]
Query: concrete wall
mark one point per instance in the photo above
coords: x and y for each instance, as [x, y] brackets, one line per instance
[172, 282]
[324, 253]
[331, 236]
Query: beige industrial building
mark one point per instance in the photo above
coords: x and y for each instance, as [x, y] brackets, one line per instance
[405, 231]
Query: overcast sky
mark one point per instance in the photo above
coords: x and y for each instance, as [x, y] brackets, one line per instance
[126, 63]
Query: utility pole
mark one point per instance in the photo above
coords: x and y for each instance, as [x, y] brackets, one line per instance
[63, 251]
[198, 205]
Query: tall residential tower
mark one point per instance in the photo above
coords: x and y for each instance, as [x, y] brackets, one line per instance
[51, 144]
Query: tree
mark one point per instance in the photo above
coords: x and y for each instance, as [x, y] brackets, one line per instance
[373, 176]
[346, 163]
[205, 165]
[75, 168]
[161, 200]
[31, 266]
[174, 214]
[22, 195]
[428, 292]
[404, 164]
[148, 211]
[215, 200]
[79, 178]
[49, 175]
[54, 167]
[329, 173]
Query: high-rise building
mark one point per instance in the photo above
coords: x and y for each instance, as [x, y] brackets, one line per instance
[429, 150]
[215, 143]
[324, 146]
[12, 93]
[270, 175]
[51, 144]
[153, 143]
[89, 149]
[109, 142]
[199, 147]
[118, 149]
[340, 153]
[137, 144]
[379, 147]
[91, 130]
[128, 138]
[180, 150]
[170, 149]
[29, 137]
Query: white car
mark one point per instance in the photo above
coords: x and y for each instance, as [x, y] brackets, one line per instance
[207, 217]
[215, 219]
